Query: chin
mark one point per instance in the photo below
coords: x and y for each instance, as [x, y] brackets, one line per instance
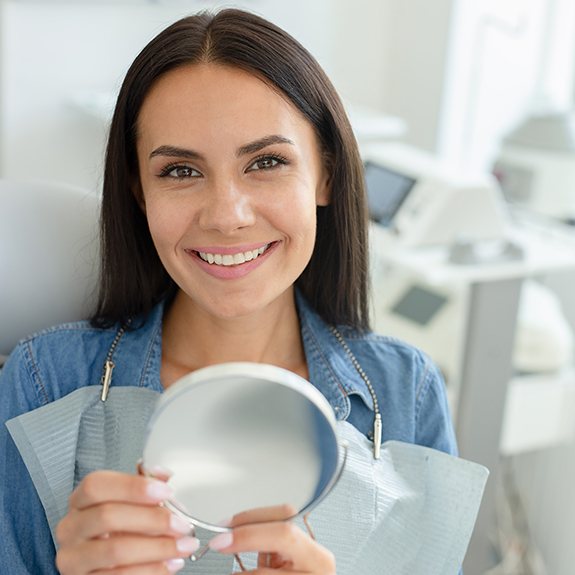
[233, 306]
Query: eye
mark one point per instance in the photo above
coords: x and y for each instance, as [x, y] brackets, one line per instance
[268, 162]
[179, 172]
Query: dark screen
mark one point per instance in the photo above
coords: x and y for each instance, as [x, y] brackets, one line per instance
[419, 304]
[386, 191]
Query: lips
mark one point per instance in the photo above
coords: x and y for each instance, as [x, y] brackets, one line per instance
[227, 262]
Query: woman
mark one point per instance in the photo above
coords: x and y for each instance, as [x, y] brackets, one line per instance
[233, 229]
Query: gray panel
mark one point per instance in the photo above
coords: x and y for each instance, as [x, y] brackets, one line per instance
[419, 304]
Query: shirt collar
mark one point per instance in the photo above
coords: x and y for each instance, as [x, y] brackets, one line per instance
[330, 368]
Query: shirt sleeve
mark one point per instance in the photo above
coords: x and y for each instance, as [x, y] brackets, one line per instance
[27, 545]
[434, 427]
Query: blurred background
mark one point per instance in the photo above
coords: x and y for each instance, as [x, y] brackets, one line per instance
[464, 115]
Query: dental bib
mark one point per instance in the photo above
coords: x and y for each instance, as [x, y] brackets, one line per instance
[411, 512]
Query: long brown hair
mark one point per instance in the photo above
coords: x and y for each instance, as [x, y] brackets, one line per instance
[133, 279]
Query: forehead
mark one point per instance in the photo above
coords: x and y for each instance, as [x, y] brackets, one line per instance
[218, 101]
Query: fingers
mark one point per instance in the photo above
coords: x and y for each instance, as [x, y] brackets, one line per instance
[124, 551]
[106, 486]
[116, 525]
[264, 514]
[100, 520]
[283, 538]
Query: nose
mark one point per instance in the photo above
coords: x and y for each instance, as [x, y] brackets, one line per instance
[226, 208]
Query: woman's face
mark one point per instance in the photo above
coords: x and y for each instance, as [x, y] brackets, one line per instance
[231, 174]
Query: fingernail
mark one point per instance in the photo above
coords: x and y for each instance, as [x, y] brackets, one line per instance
[159, 490]
[175, 565]
[221, 541]
[180, 525]
[187, 545]
[159, 471]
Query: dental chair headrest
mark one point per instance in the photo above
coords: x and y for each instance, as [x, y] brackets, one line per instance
[48, 257]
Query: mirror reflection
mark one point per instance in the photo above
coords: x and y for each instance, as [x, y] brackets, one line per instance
[239, 437]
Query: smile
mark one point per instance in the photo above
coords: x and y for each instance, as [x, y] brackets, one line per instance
[233, 259]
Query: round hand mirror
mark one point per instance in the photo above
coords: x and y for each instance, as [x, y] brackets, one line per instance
[243, 436]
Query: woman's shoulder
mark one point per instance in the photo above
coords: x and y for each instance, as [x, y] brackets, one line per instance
[410, 387]
[85, 340]
[54, 361]
[388, 353]
[64, 333]
[67, 344]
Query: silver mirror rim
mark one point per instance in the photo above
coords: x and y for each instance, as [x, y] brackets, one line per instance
[258, 371]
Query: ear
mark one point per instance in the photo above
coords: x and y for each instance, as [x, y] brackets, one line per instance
[323, 190]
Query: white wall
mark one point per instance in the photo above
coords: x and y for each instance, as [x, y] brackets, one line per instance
[416, 49]
[495, 48]
[360, 50]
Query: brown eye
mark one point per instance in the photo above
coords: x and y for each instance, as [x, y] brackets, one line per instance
[179, 172]
[266, 163]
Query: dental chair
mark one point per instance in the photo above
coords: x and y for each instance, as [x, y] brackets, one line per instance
[48, 257]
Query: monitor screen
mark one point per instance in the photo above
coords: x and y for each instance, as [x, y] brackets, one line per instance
[419, 304]
[386, 191]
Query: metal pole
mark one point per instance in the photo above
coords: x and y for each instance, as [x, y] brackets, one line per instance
[486, 372]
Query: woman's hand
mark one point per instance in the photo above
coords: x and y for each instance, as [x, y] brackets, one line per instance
[282, 547]
[115, 524]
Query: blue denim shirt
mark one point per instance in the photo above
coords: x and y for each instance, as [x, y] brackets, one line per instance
[57, 361]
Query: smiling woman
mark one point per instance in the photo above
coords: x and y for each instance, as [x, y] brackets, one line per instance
[233, 229]
[228, 167]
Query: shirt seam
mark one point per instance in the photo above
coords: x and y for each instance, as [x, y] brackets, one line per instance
[422, 391]
[34, 373]
[151, 348]
[307, 332]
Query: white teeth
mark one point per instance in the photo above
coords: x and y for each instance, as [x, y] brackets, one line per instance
[235, 259]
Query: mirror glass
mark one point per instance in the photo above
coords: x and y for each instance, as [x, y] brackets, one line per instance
[243, 436]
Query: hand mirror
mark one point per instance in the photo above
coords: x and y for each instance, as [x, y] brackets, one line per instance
[243, 436]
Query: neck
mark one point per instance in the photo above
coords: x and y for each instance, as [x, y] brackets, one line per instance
[193, 339]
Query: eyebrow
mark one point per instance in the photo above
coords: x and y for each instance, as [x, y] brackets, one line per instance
[175, 152]
[252, 147]
[262, 143]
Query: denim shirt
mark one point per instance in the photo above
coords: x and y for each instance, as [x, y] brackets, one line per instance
[57, 361]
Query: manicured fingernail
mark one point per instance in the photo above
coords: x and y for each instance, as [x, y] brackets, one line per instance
[180, 525]
[159, 471]
[174, 565]
[221, 541]
[159, 490]
[187, 545]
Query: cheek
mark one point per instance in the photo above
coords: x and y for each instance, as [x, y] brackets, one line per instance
[164, 223]
[299, 218]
